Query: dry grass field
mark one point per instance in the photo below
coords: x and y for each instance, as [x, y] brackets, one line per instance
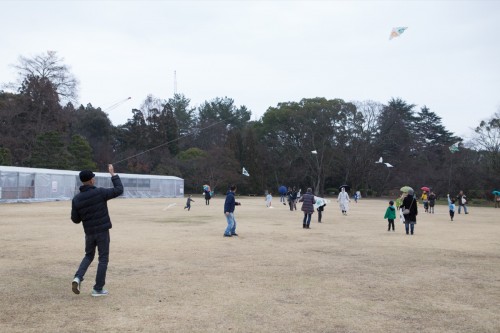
[171, 270]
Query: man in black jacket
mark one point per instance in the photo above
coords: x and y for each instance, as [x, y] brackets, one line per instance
[90, 206]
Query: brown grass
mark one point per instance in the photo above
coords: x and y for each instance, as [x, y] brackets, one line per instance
[172, 271]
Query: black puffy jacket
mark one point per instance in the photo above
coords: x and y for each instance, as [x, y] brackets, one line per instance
[91, 206]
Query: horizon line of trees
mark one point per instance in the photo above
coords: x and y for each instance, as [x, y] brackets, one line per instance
[213, 142]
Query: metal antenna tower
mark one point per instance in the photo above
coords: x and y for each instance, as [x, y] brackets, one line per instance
[175, 82]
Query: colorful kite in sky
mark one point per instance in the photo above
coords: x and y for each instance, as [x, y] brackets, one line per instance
[396, 32]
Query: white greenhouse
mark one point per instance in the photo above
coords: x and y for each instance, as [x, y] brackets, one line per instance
[30, 185]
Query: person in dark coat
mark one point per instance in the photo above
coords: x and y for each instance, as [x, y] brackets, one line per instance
[208, 196]
[410, 203]
[432, 202]
[90, 207]
[320, 210]
[307, 207]
[229, 206]
[188, 203]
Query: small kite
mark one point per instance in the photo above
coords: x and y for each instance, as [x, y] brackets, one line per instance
[396, 32]
[380, 160]
[245, 172]
[314, 152]
[454, 147]
[389, 165]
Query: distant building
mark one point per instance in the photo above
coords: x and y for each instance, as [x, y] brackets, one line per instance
[31, 185]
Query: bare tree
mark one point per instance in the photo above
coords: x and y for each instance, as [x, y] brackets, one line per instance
[488, 134]
[50, 66]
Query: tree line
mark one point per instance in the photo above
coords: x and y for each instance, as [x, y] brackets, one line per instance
[315, 142]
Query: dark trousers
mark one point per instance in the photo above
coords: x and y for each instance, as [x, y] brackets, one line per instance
[391, 222]
[307, 219]
[452, 214]
[409, 227]
[101, 242]
[320, 215]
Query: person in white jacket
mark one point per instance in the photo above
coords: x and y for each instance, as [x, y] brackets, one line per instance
[343, 200]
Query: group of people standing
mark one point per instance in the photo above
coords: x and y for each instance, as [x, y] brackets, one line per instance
[407, 204]
[429, 201]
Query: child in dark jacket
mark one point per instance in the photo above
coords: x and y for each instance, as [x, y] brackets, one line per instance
[390, 215]
[188, 203]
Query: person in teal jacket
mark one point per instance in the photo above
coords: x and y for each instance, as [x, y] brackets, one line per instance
[390, 215]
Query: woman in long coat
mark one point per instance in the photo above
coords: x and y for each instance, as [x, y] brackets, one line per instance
[410, 203]
[343, 200]
[307, 207]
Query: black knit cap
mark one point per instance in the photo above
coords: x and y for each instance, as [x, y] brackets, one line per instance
[86, 175]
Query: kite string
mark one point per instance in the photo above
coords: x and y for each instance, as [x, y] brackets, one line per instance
[168, 142]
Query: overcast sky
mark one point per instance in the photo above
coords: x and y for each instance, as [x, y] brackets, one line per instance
[261, 53]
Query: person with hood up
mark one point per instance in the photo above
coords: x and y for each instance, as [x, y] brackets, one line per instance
[409, 207]
[343, 200]
[390, 215]
[307, 207]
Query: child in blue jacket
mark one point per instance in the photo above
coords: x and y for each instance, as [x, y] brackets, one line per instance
[451, 207]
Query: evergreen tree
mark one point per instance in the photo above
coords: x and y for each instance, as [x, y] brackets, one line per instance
[5, 156]
[50, 152]
[80, 154]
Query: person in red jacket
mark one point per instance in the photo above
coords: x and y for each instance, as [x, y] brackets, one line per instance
[90, 207]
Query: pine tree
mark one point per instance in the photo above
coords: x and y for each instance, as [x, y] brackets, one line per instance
[80, 154]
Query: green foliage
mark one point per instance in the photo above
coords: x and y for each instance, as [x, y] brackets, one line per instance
[80, 154]
[191, 153]
[211, 143]
[183, 113]
[50, 152]
[94, 125]
[5, 156]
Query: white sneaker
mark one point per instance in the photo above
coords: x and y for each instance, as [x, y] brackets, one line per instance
[75, 285]
[96, 293]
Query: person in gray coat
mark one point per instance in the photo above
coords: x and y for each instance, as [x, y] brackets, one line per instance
[307, 207]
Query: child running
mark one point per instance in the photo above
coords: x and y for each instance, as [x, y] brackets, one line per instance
[188, 203]
[451, 206]
[390, 215]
